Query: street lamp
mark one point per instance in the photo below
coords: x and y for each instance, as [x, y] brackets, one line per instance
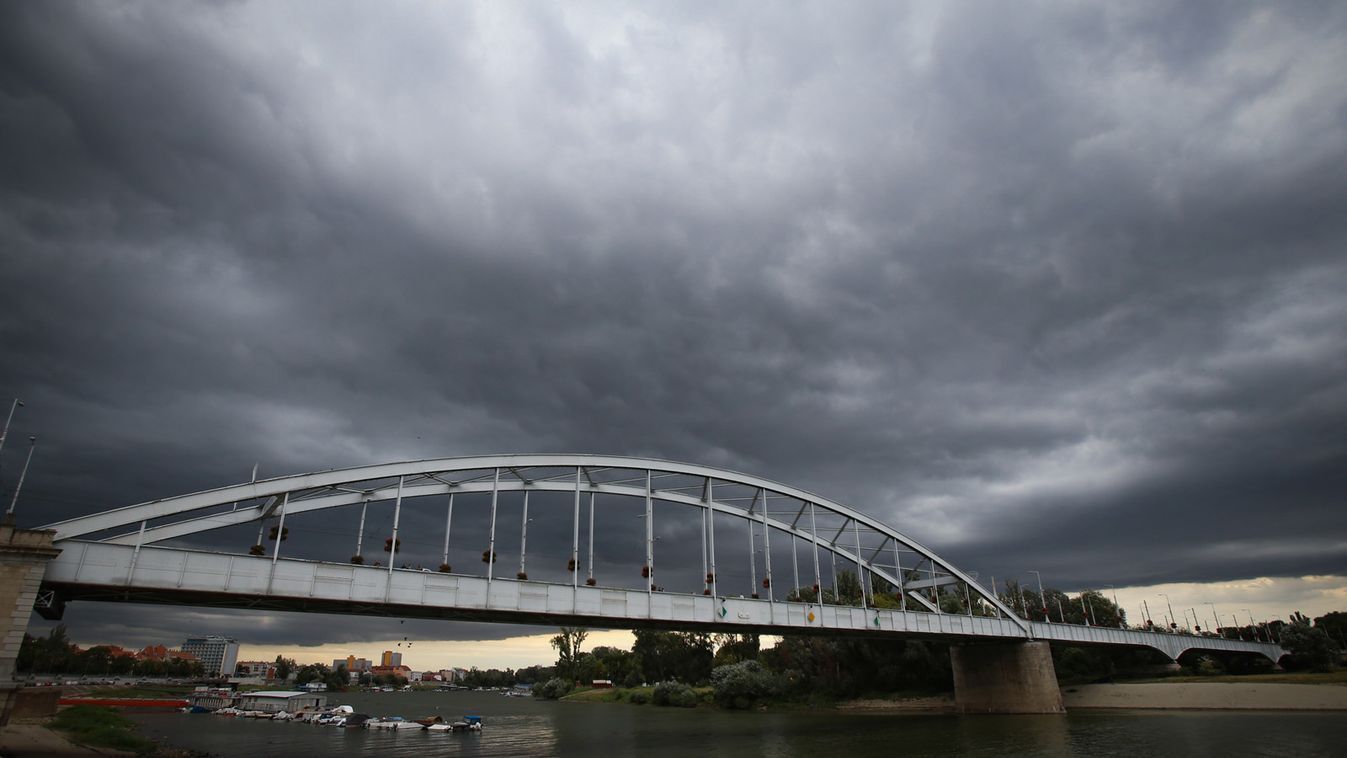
[1216, 628]
[32, 443]
[1042, 599]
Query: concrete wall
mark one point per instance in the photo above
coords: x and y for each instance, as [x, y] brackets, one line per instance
[24, 554]
[1005, 677]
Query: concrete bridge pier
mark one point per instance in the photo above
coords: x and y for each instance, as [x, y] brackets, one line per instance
[24, 554]
[1005, 677]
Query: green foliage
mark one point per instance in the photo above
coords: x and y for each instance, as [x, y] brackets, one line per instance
[675, 694]
[567, 645]
[54, 654]
[284, 666]
[732, 648]
[1309, 647]
[553, 688]
[741, 685]
[823, 668]
[623, 667]
[95, 726]
[682, 656]
[1335, 626]
[638, 697]
[317, 672]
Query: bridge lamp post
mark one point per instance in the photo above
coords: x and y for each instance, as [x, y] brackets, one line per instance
[1042, 599]
[1253, 627]
[4, 433]
[32, 443]
[1172, 617]
[1216, 628]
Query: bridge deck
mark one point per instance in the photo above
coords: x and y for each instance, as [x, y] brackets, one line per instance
[103, 571]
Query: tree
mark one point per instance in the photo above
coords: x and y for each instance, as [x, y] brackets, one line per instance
[1335, 625]
[1309, 647]
[685, 656]
[284, 666]
[732, 648]
[568, 645]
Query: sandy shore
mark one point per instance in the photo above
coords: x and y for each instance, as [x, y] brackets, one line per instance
[1208, 696]
[1225, 696]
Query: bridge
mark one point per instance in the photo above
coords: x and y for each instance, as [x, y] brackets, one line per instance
[151, 553]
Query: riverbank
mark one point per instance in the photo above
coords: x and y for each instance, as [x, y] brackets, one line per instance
[21, 740]
[1226, 696]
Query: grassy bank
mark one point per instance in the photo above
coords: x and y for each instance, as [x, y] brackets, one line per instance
[92, 726]
[629, 695]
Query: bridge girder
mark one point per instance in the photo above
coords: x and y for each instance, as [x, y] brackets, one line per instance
[336, 488]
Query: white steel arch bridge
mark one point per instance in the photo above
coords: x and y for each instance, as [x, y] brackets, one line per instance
[125, 554]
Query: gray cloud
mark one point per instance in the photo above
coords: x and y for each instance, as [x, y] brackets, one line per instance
[1058, 285]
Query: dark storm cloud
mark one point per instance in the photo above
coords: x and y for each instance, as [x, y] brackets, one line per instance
[1058, 285]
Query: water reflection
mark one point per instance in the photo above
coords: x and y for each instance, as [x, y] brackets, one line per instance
[518, 726]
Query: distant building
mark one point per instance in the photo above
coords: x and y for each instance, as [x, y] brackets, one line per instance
[218, 655]
[401, 672]
[352, 664]
[161, 653]
[391, 658]
[258, 669]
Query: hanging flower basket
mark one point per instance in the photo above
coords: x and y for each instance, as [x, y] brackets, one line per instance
[358, 560]
[706, 591]
[390, 546]
[590, 581]
[766, 583]
[445, 568]
[488, 556]
[653, 588]
[816, 588]
[257, 550]
[755, 596]
[645, 571]
[520, 575]
[570, 565]
[710, 577]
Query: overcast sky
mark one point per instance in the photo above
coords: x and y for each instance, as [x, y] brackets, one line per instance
[1045, 286]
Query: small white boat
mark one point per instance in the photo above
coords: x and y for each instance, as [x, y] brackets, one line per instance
[393, 722]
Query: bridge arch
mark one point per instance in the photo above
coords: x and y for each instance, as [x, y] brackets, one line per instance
[692, 485]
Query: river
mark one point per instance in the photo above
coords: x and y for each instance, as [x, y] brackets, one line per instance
[522, 726]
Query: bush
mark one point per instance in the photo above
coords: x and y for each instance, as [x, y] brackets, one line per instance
[639, 697]
[553, 688]
[740, 685]
[676, 694]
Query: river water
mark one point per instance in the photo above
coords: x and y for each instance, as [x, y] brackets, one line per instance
[523, 726]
